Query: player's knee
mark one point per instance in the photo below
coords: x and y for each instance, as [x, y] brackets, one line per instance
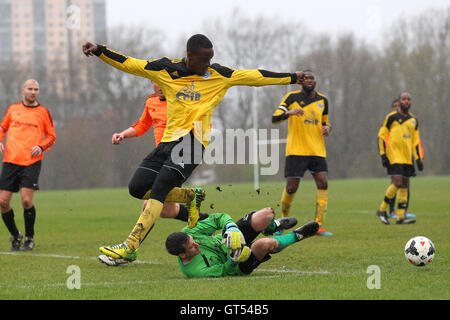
[322, 185]
[27, 203]
[170, 210]
[136, 190]
[261, 219]
[292, 188]
[265, 245]
[4, 204]
[262, 247]
[398, 183]
[166, 181]
[268, 214]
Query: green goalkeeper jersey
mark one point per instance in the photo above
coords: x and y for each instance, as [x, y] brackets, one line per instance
[213, 259]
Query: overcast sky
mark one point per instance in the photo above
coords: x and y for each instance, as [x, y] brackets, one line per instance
[365, 18]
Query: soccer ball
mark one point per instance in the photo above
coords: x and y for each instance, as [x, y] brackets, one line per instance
[419, 251]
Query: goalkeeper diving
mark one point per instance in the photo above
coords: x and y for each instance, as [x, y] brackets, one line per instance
[233, 251]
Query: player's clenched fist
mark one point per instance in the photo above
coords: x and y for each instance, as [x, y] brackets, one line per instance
[89, 49]
[117, 138]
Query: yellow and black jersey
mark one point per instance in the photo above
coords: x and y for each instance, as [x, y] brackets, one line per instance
[191, 98]
[404, 139]
[304, 137]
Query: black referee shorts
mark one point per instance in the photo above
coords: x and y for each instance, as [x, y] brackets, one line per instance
[14, 176]
[297, 165]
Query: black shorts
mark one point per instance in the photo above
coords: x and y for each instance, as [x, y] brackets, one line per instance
[297, 165]
[181, 156]
[14, 176]
[245, 226]
[404, 170]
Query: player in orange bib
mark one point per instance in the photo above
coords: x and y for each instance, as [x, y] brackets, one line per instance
[30, 132]
[155, 113]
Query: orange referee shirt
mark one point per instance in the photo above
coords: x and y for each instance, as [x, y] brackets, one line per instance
[26, 127]
[155, 114]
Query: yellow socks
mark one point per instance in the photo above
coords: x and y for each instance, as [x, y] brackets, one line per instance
[390, 194]
[152, 212]
[286, 200]
[321, 205]
[146, 221]
[180, 195]
[402, 199]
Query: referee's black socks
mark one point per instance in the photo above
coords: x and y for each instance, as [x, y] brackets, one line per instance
[8, 219]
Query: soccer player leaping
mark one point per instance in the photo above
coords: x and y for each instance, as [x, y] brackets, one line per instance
[193, 88]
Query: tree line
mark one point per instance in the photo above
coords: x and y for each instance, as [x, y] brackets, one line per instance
[360, 80]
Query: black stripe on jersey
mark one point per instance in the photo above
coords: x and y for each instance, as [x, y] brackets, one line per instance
[280, 117]
[206, 261]
[299, 96]
[110, 54]
[223, 71]
[397, 117]
[175, 68]
[418, 152]
[383, 144]
[270, 74]
[325, 109]
[295, 96]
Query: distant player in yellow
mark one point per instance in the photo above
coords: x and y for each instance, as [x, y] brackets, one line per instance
[397, 156]
[307, 113]
[392, 213]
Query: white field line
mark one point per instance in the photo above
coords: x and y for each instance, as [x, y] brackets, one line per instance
[278, 273]
[58, 256]
[133, 283]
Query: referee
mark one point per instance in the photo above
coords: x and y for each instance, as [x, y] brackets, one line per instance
[30, 132]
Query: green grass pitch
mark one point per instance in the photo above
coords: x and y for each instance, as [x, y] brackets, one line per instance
[71, 225]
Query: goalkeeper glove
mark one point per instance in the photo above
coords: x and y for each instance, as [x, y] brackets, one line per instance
[233, 237]
[419, 164]
[384, 161]
[240, 255]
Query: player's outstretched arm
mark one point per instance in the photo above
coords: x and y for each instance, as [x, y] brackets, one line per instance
[258, 77]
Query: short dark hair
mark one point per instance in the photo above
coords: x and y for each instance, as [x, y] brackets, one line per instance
[310, 71]
[198, 41]
[175, 242]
